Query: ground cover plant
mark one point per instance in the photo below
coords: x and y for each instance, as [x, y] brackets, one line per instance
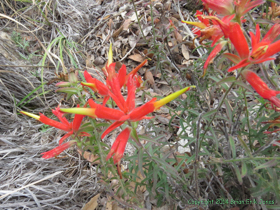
[177, 114]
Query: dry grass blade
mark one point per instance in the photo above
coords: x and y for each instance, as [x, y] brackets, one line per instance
[48, 177]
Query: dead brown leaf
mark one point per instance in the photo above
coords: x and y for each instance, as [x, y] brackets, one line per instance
[137, 57]
[126, 24]
[149, 77]
[92, 204]
[113, 205]
[150, 55]
[89, 156]
[117, 32]
[178, 36]
[89, 61]
[106, 17]
[110, 24]
[185, 52]
[138, 179]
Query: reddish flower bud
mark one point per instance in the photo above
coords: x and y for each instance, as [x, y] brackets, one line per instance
[261, 87]
[56, 151]
[119, 145]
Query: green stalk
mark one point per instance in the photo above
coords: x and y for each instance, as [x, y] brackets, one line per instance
[247, 117]
[138, 20]
[221, 103]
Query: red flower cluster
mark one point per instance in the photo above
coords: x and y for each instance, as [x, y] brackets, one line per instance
[65, 125]
[213, 28]
[229, 27]
[126, 111]
[126, 107]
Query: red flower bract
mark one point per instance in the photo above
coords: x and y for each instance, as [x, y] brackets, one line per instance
[261, 87]
[261, 50]
[57, 150]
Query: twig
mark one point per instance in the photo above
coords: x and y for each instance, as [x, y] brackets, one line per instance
[199, 50]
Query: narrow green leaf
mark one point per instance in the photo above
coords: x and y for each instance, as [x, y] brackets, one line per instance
[232, 146]
[140, 161]
[227, 79]
[244, 145]
[244, 169]
[29, 94]
[35, 97]
[266, 164]
[242, 84]
[207, 114]
[228, 110]
[237, 172]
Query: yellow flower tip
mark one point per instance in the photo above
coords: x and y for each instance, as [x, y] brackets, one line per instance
[197, 24]
[37, 117]
[171, 97]
[88, 84]
[110, 55]
[82, 111]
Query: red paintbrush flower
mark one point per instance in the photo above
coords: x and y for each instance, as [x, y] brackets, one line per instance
[132, 114]
[212, 55]
[261, 50]
[118, 148]
[119, 145]
[209, 29]
[243, 6]
[223, 7]
[70, 128]
[261, 87]
[57, 150]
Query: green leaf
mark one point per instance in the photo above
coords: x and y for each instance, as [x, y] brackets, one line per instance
[232, 146]
[266, 164]
[227, 79]
[237, 172]
[207, 114]
[242, 84]
[140, 161]
[218, 80]
[29, 94]
[244, 145]
[244, 169]
[228, 110]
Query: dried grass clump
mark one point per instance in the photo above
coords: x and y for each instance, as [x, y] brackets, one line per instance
[22, 139]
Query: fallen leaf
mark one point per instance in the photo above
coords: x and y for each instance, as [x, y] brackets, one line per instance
[117, 32]
[113, 205]
[178, 36]
[137, 57]
[110, 23]
[89, 61]
[92, 204]
[106, 17]
[139, 179]
[89, 156]
[150, 55]
[126, 24]
[185, 52]
[149, 77]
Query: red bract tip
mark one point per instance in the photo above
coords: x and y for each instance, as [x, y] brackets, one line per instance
[119, 145]
[56, 151]
[261, 87]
